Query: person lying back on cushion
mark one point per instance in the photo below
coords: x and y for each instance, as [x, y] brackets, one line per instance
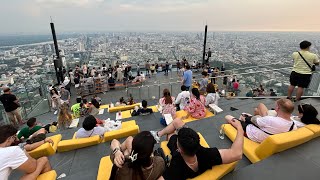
[13, 157]
[189, 158]
[33, 127]
[89, 128]
[142, 111]
[257, 128]
[133, 159]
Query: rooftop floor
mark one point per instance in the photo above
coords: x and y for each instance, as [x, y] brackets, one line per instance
[302, 162]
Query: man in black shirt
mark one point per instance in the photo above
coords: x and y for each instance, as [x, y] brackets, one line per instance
[10, 103]
[142, 111]
[189, 158]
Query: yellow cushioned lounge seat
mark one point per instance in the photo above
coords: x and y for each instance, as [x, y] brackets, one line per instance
[123, 108]
[46, 149]
[105, 106]
[50, 175]
[217, 172]
[315, 128]
[182, 113]
[128, 128]
[105, 167]
[127, 113]
[72, 144]
[273, 144]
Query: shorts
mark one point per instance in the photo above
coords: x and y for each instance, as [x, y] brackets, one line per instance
[300, 80]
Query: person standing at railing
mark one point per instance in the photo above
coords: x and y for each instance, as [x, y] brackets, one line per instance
[304, 66]
[11, 106]
[147, 65]
[187, 77]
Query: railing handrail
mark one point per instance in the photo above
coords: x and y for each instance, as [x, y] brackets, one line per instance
[169, 83]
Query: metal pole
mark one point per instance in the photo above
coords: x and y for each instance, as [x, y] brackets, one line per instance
[57, 61]
[204, 44]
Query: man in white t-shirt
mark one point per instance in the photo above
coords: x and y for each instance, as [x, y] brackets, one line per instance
[13, 157]
[258, 128]
[183, 97]
[89, 128]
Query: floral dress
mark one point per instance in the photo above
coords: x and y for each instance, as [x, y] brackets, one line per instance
[196, 107]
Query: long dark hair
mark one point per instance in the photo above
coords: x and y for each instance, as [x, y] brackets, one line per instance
[55, 90]
[142, 145]
[167, 96]
[309, 114]
[196, 93]
[95, 103]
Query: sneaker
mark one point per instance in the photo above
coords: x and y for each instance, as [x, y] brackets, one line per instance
[155, 136]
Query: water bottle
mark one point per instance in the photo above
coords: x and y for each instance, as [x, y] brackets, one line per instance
[221, 133]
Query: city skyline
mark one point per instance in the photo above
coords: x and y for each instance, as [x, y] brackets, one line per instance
[33, 16]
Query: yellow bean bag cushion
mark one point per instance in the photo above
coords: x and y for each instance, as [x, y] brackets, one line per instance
[105, 106]
[182, 113]
[105, 168]
[46, 149]
[50, 175]
[217, 172]
[127, 114]
[128, 128]
[72, 144]
[123, 108]
[273, 144]
[315, 128]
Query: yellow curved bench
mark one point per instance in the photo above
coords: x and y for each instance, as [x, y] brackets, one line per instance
[128, 128]
[182, 113]
[315, 128]
[46, 149]
[50, 175]
[273, 144]
[72, 144]
[217, 172]
[122, 108]
[105, 168]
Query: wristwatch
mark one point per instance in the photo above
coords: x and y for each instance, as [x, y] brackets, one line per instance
[115, 150]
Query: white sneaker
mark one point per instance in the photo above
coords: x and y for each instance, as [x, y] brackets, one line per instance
[155, 136]
[55, 112]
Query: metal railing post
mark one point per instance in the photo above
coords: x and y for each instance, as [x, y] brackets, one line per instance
[159, 91]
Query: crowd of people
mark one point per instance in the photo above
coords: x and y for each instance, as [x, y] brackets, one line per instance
[135, 158]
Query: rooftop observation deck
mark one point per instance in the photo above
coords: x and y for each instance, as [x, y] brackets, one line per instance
[301, 162]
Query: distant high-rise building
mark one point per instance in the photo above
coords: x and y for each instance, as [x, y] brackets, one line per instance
[81, 47]
[63, 58]
[139, 40]
[145, 47]
[7, 53]
[52, 48]
[14, 50]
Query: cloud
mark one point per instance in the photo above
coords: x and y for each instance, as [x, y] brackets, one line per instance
[79, 3]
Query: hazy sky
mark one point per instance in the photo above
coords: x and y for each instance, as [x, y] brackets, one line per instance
[33, 16]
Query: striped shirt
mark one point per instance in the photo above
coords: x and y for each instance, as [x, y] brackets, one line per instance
[300, 66]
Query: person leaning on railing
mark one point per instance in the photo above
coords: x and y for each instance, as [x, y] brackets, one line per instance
[304, 66]
[11, 106]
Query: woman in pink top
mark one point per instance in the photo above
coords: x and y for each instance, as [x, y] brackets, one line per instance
[167, 103]
[196, 107]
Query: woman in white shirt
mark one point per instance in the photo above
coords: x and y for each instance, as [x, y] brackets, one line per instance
[212, 97]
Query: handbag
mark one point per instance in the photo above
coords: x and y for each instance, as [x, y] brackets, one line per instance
[313, 67]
